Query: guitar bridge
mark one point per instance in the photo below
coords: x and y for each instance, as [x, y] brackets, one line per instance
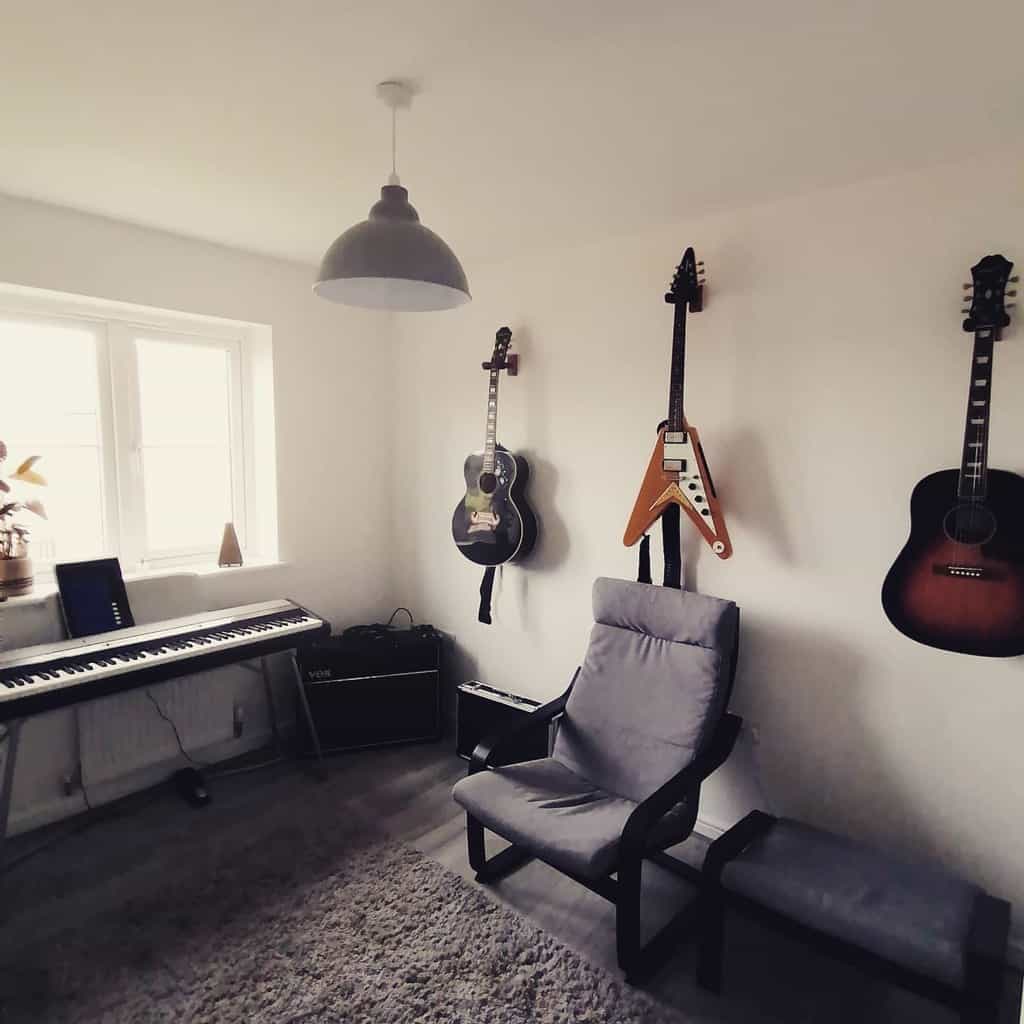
[483, 522]
[970, 572]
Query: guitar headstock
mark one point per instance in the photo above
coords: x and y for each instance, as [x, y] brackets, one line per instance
[500, 359]
[987, 294]
[688, 283]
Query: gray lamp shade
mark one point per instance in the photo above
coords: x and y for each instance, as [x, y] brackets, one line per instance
[391, 261]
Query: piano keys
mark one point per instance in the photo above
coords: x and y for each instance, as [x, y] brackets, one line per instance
[47, 676]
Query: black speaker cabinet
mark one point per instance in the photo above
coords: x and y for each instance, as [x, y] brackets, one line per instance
[483, 711]
[373, 686]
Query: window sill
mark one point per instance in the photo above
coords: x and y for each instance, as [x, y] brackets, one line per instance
[46, 587]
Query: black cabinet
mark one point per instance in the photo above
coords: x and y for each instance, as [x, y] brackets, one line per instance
[368, 688]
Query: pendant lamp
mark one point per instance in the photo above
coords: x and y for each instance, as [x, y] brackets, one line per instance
[391, 260]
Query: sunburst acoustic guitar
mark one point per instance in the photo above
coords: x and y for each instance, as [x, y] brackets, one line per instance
[958, 583]
[678, 472]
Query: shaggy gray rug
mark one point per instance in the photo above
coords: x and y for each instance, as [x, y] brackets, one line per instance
[310, 924]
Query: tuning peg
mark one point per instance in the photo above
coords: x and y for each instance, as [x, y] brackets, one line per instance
[967, 286]
[1015, 279]
[1012, 294]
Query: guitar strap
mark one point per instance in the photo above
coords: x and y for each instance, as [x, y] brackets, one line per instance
[670, 546]
[643, 574]
[486, 586]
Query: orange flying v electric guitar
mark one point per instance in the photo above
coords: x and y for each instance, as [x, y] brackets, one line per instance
[678, 471]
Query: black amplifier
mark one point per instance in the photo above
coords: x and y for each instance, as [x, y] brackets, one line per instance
[373, 685]
[484, 711]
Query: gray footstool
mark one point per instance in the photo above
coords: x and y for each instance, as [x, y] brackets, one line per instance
[914, 924]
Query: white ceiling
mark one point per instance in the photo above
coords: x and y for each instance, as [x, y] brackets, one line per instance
[255, 124]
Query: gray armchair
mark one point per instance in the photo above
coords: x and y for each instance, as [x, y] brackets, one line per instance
[642, 724]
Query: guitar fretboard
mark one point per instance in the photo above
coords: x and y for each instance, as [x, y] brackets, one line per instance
[492, 423]
[974, 464]
[675, 387]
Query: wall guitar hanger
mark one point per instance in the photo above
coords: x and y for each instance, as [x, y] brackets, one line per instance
[508, 361]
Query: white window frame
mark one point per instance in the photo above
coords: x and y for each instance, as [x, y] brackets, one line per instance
[116, 328]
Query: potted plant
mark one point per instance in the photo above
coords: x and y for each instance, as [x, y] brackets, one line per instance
[15, 564]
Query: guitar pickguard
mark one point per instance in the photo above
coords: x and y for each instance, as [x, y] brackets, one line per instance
[679, 463]
[677, 473]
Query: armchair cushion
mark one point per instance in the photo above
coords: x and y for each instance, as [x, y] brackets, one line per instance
[654, 683]
[551, 811]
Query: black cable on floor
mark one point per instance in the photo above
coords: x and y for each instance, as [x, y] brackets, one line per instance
[184, 753]
[214, 771]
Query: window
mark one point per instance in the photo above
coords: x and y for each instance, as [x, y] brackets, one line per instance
[51, 408]
[147, 426]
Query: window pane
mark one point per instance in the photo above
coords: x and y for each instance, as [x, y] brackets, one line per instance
[184, 398]
[50, 408]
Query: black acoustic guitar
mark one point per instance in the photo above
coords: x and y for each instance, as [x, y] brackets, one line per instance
[494, 523]
[958, 584]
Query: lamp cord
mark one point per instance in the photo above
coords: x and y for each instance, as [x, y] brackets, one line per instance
[394, 179]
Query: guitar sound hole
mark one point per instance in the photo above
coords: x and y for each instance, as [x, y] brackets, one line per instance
[487, 482]
[969, 524]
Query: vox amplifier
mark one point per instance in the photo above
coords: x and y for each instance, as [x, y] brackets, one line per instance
[372, 686]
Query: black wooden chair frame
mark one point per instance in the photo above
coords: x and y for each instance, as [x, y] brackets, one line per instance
[977, 1002]
[624, 890]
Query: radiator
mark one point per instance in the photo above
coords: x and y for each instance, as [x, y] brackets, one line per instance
[124, 733]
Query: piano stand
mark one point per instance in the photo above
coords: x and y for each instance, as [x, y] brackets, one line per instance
[321, 764]
[268, 692]
[10, 749]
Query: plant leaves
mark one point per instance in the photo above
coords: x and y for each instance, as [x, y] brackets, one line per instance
[5, 487]
[26, 474]
[37, 507]
[6, 510]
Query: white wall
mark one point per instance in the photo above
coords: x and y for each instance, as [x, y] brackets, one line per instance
[827, 374]
[329, 372]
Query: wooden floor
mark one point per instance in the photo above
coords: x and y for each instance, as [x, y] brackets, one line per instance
[408, 790]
